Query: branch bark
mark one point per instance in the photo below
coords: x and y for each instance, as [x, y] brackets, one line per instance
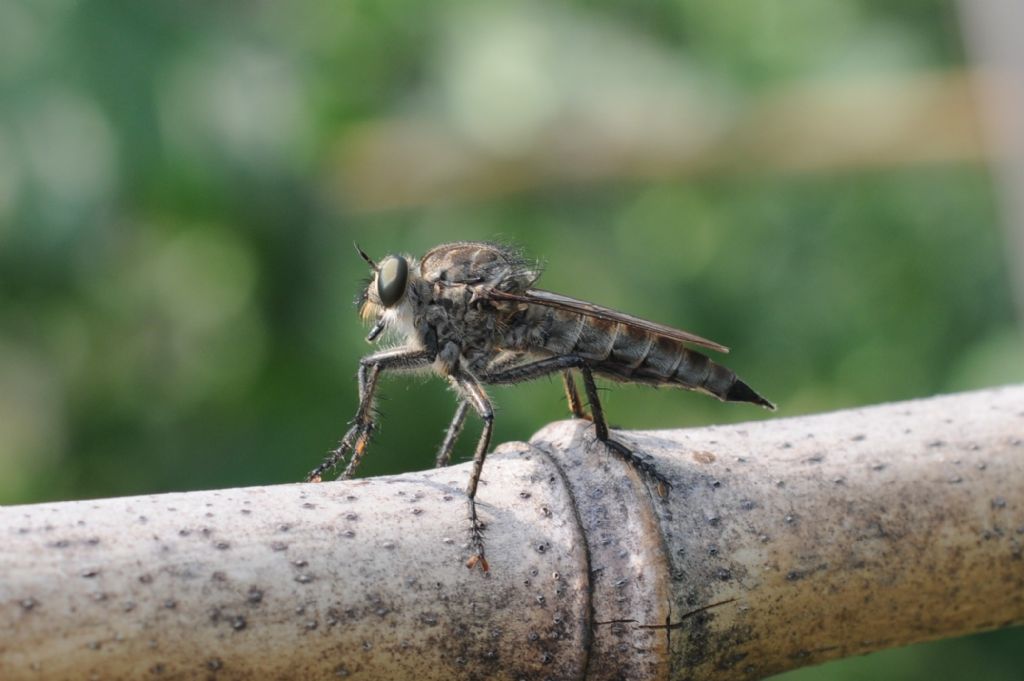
[781, 543]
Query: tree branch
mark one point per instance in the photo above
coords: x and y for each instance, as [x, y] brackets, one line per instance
[781, 543]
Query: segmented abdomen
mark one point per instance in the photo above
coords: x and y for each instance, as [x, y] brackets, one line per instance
[625, 353]
[621, 351]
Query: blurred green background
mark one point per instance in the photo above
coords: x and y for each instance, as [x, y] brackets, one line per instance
[181, 183]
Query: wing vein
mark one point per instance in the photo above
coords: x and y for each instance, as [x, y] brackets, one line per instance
[558, 301]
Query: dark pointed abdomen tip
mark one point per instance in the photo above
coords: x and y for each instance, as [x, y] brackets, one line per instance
[741, 392]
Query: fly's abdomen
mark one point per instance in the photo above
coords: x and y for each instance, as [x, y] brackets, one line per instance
[624, 352]
[561, 332]
[597, 338]
[657, 360]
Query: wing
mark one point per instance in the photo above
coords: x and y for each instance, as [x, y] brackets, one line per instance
[548, 299]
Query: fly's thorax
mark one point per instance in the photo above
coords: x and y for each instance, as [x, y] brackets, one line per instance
[456, 318]
[478, 263]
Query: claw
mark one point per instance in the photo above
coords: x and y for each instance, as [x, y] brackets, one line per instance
[478, 559]
[645, 468]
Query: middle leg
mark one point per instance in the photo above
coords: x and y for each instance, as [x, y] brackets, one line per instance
[474, 394]
[444, 453]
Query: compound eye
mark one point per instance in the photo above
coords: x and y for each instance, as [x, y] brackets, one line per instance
[392, 276]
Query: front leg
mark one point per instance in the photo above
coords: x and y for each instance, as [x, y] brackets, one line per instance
[358, 436]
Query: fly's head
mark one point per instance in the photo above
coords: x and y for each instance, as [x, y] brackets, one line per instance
[388, 299]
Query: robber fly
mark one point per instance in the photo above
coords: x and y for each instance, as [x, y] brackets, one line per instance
[469, 312]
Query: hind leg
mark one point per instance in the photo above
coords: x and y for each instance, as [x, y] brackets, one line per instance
[565, 363]
[623, 452]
